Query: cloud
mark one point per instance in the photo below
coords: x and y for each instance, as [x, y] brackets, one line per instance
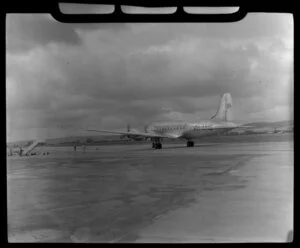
[138, 73]
[26, 31]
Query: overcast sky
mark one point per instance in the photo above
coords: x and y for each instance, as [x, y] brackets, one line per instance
[108, 75]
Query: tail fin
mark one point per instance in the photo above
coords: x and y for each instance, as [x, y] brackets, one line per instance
[224, 112]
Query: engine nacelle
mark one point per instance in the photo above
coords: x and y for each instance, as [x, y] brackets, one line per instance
[123, 136]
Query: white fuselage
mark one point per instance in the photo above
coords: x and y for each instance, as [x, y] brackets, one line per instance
[191, 130]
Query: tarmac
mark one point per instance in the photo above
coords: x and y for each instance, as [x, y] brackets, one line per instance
[213, 192]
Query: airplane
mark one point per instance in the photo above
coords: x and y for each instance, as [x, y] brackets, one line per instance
[219, 123]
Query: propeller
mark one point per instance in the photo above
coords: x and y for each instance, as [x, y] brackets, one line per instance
[146, 131]
[128, 128]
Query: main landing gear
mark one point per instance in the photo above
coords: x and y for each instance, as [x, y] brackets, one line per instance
[156, 144]
[190, 143]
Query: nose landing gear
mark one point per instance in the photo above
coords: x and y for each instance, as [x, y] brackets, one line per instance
[190, 143]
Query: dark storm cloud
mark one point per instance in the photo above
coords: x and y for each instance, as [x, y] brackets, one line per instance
[140, 73]
[154, 75]
[26, 31]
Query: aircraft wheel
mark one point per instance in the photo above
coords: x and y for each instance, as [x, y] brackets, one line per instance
[190, 143]
[156, 145]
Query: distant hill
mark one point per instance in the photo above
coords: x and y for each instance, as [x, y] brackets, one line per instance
[82, 139]
[276, 124]
[70, 140]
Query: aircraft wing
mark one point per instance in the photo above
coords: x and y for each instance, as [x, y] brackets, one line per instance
[144, 134]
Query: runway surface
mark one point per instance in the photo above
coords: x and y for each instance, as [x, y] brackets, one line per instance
[213, 192]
